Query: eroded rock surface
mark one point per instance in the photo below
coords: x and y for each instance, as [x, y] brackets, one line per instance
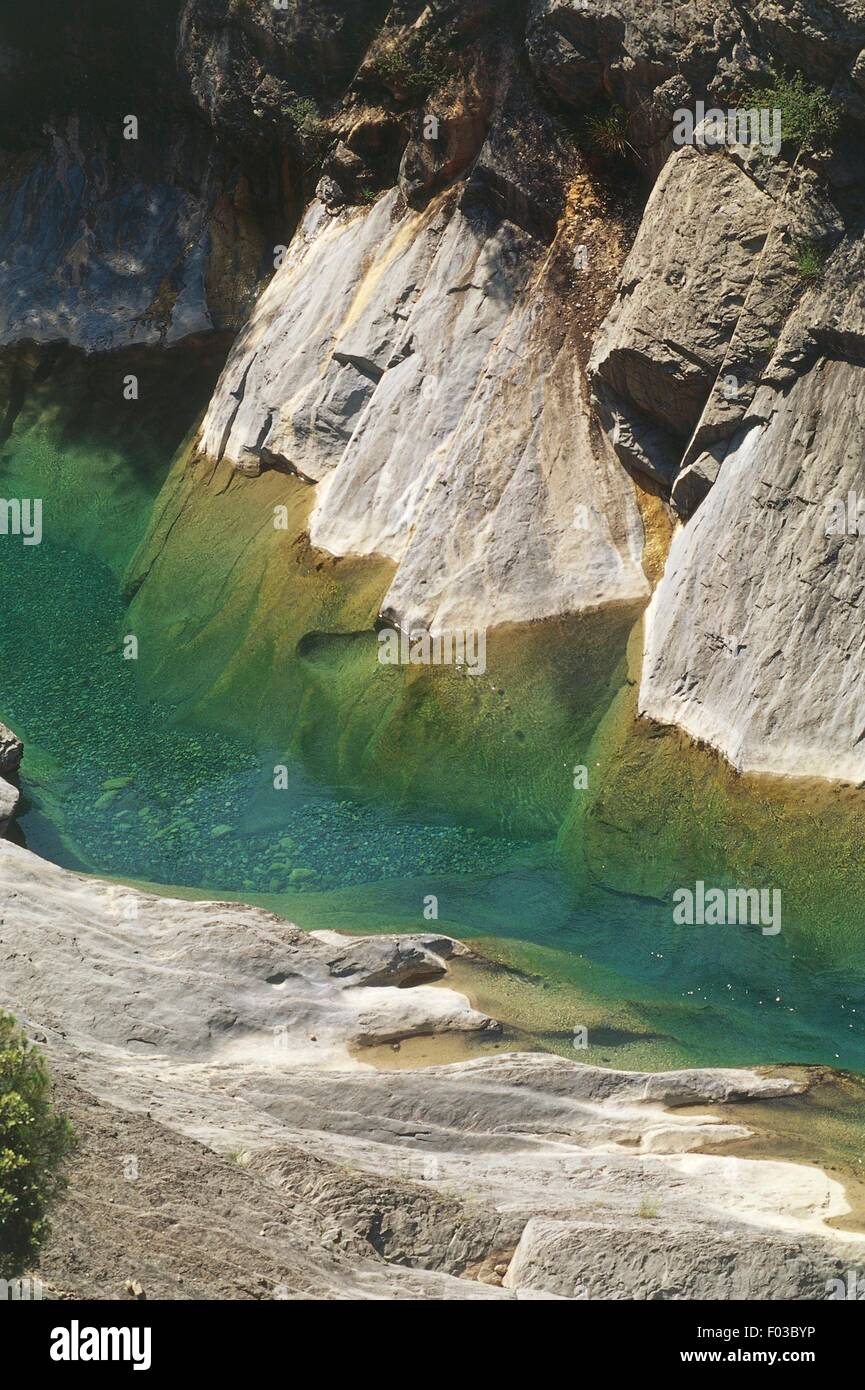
[420, 368]
[756, 645]
[210, 1029]
[753, 640]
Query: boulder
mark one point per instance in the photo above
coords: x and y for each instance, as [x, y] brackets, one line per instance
[754, 635]
[680, 297]
[11, 750]
[9, 799]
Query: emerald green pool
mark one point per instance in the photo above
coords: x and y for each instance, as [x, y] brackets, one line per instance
[141, 796]
[121, 782]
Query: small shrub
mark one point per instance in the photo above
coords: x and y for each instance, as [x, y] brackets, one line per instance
[313, 132]
[304, 116]
[809, 116]
[34, 1142]
[417, 66]
[648, 1209]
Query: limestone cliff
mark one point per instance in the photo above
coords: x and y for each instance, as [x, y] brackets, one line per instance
[490, 312]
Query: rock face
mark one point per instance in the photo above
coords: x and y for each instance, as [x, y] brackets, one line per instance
[722, 378]
[71, 270]
[653, 58]
[757, 647]
[246, 63]
[419, 367]
[525, 514]
[320, 339]
[11, 750]
[9, 798]
[209, 1028]
[11, 753]
[727, 373]
[706, 291]
[679, 301]
[124, 219]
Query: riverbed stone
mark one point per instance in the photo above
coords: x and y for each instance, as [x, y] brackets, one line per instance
[220, 1029]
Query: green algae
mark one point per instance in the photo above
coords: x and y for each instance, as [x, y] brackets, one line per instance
[246, 625]
[693, 817]
[400, 787]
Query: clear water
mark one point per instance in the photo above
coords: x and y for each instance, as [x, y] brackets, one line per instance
[115, 785]
[143, 797]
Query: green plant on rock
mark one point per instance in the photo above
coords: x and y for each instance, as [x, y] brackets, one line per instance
[607, 132]
[34, 1144]
[305, 117]
[312, 130]
[810, 263]
[417, 66]
[809, 116]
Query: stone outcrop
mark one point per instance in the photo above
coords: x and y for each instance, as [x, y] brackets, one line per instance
[321, 337]
[659, 352]
[703, 298]
[652, 59]
[418, 366]
[11, 753]
[72, 272]
[754, 637]
[11, 750]
[124, 217]
[246, 63]
[214, 1029]
[722, 376]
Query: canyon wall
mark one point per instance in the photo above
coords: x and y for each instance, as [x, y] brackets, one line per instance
[498, 325]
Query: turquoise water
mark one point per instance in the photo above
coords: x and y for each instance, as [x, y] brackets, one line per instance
[133, 795]
[145, 798]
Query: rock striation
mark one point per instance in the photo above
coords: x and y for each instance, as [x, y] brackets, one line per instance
[418, 368]
[211, 1029]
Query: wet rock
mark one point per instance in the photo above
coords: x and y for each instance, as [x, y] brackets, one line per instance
[415, 1183]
